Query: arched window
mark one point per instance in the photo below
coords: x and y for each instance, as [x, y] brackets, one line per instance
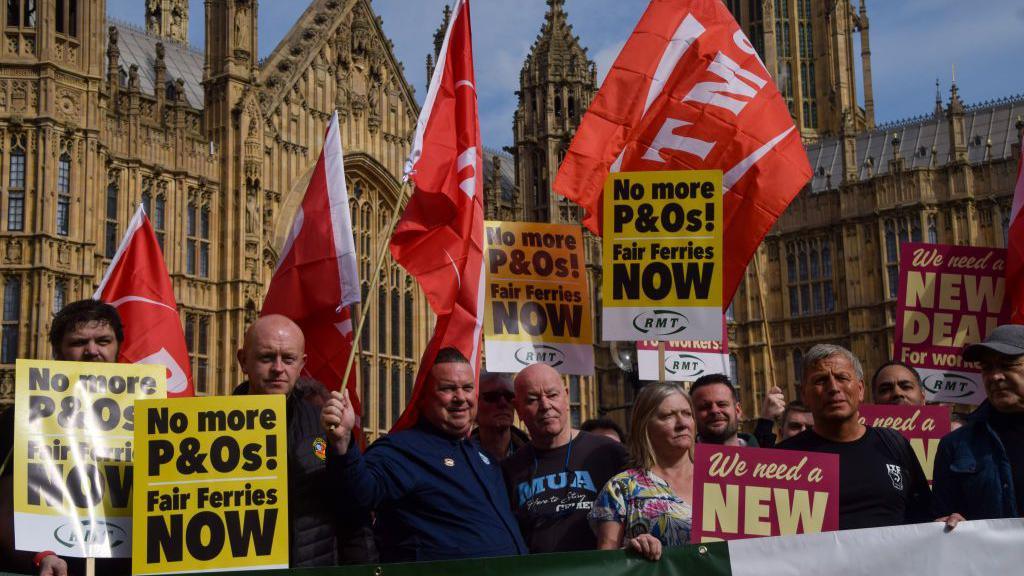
[382, 395]
[64, 194]
[395, 325]
[110, 230]
[891, 248]
[396, 392]
[16, 187]
[798, 364]
[67, 17]
[558, 106]
[204, 242]
[364, 339]
[11, 320]
[159, 211]
[408, 324]
[364, 388]
[572, 108]
[410, 381]
[21, 13]
[60, 294]
[382, 317]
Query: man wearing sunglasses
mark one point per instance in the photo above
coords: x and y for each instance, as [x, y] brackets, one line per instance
[494, 416]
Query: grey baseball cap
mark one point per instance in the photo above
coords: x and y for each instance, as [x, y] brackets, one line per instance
[1007, 339]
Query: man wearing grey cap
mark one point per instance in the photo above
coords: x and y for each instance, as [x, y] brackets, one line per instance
[979, 468]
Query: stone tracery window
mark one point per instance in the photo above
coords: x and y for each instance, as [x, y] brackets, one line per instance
[810, 280]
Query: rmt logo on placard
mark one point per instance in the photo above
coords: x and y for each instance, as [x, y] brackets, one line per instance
[660, 322]
[90, 533]
[532, 354]
[685, 365]
[949, 385]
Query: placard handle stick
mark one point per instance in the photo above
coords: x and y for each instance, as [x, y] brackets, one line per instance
[767, 332]
[90, 566]
[661, 362]
[366, 306]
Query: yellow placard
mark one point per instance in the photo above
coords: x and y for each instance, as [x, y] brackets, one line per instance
[73, 451]
[211, 484]
[538, 300]
[662, 274]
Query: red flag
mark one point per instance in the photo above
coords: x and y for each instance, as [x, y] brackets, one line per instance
[439, 239]
[317, 275]
[688, 92]
[1015, 250]
[137, 284]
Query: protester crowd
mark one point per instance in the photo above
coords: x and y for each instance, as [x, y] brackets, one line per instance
[466, 482]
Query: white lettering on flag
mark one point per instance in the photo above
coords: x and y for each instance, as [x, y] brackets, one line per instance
[716, 93]
[666, 138]
[467, 158]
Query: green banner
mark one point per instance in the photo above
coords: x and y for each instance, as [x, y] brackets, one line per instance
[696, 560]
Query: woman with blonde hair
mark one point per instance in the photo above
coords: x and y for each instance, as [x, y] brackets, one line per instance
[648, 506]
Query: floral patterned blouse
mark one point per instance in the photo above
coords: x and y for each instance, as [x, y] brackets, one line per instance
[644, 504]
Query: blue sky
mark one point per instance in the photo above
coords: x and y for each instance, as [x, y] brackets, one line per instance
[913, 42]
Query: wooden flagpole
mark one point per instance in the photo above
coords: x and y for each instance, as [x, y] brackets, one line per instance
[365, 307]
[661, 362]
[764, 325]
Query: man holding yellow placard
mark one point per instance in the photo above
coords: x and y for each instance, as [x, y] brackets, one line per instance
[272, 357]
[83, 331]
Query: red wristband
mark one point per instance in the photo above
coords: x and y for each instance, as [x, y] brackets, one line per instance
[39, 557]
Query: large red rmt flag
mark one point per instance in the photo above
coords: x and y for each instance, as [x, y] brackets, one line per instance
[137, 284]
[688, 92]
[439, 239]
[1015, 251]
[317, 275]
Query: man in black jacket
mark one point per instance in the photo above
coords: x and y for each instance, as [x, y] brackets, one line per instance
[272, 357]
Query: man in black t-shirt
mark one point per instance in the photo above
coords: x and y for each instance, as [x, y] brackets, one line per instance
[881, 482]
[554, 480]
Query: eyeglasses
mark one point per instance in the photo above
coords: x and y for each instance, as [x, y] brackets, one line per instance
[493, 396]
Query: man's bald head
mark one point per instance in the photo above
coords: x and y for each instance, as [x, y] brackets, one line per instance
[543, 405]
[272, 355]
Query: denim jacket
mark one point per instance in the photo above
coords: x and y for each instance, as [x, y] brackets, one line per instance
[972, 472]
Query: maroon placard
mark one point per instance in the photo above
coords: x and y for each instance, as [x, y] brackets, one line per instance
[949, 296]
[752, 492]
[923, 426]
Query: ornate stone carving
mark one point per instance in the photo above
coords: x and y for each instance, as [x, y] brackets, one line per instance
[13, 255]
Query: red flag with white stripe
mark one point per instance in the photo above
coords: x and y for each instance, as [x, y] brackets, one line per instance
[688, 92]
[138, 286]
[1015, 250]
[439, 239]
[317, 274]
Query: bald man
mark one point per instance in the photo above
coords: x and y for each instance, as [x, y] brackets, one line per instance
[554, 480]
[272, 356]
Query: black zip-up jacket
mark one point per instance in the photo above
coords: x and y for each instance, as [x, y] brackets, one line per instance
[317, 537]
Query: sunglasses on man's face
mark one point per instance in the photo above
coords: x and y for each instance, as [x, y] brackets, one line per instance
[493, 396]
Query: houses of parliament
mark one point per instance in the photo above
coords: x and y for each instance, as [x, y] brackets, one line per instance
[98, 115]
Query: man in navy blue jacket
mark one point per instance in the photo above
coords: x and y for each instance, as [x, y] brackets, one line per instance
[979, 468]
[437, 495]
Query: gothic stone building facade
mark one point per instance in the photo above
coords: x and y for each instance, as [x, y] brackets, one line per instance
[829, 265]
[97, 116]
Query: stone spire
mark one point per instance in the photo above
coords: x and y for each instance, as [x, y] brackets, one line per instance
[557, 82]
[938, 100]
[438, 41]
[957, 130]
